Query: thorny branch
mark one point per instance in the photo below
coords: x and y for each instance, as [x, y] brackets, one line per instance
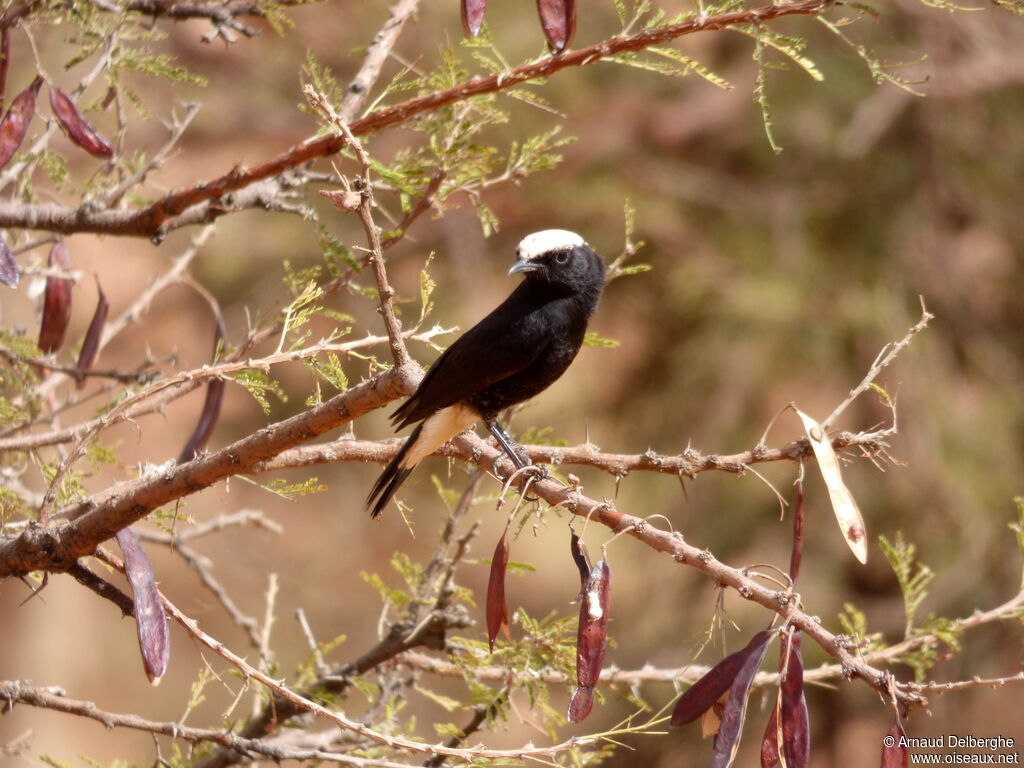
[689, 463]
[87, 523]
[363, 202]
[424, 623]
[157, 219]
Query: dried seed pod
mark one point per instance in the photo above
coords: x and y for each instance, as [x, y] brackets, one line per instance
[77, 128]
[796, 556]
[796, 727]
[700, 696]
[497, 607]
[558, 18]
[895, 754]
[579, 556]
[14, 126]
[211, 407]
[91, 343]
[770, 742]
[473, 16]
[848, 514]
[5, 60]
[150, 618]
[56, 302]
[9, 274]
[591, 639]
[793, 740]
[727, 741]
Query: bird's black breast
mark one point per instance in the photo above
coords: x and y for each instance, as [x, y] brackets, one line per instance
[555, 328]
[518, 350]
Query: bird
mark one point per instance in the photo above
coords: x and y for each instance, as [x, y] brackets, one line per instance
[513, 354]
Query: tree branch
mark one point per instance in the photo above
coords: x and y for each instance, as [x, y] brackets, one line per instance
[158, 218]
[689, 463]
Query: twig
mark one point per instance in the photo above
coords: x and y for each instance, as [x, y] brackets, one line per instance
[216, 525]
[424, 623]
[376, 55]
[153, 220]
[177, 129]
[365, 207]
[20, 692]
[184, 382]
[690, 463]
[886, 356]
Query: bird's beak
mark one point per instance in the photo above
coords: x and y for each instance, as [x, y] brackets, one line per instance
[524, 265]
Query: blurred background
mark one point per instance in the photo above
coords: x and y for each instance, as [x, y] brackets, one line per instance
[775, 278]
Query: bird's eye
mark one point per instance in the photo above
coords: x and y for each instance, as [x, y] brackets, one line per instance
[561, 257]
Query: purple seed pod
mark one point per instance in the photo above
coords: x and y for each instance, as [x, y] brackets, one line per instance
[896, 755]
[77, 128]
[211, 407]
[56, 302]
[591, 639]
[579, 556]
[150, 618]
[727, 741]
[700, 696]
[14, 126]
[796, 728]
[497, 607]
[473, 16]
[558, 18]
[91, 343]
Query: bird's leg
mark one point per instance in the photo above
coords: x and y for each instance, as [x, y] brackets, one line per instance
[512, 449]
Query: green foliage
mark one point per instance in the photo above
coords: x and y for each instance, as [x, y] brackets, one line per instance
[329, 369]
[1013, 6]
[292, 491]
[913, 580]
[335, 252]
[591, 339]
[1018, 531]
[258, 384]
[761, 95]
[427, 286]
[855, 624]
[881, 73]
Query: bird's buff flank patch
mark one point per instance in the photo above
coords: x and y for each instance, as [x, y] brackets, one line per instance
[438, 429]
[550, 240]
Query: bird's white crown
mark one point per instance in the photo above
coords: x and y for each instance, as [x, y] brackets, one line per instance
[536, 245]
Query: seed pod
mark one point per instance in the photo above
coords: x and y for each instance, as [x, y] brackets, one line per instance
[591, 639]
[14, 126]
[76, 126]
[700, 696]
[796, 727]
[56, 302]
[558, 18]
[770, 742]
[579, 556]
[727, 741]
[796, 556]
[473, 16]
[150, 618]
[211, 407]
[9, 274]
[5, 60]
[896, 755]
[91, 343]
[497, 607]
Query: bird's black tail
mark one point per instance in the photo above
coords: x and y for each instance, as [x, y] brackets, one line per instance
[391, 478]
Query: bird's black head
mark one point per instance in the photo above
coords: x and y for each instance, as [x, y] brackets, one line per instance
[560, 259]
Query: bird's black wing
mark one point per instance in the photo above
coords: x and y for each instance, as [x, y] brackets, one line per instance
[503, 343]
